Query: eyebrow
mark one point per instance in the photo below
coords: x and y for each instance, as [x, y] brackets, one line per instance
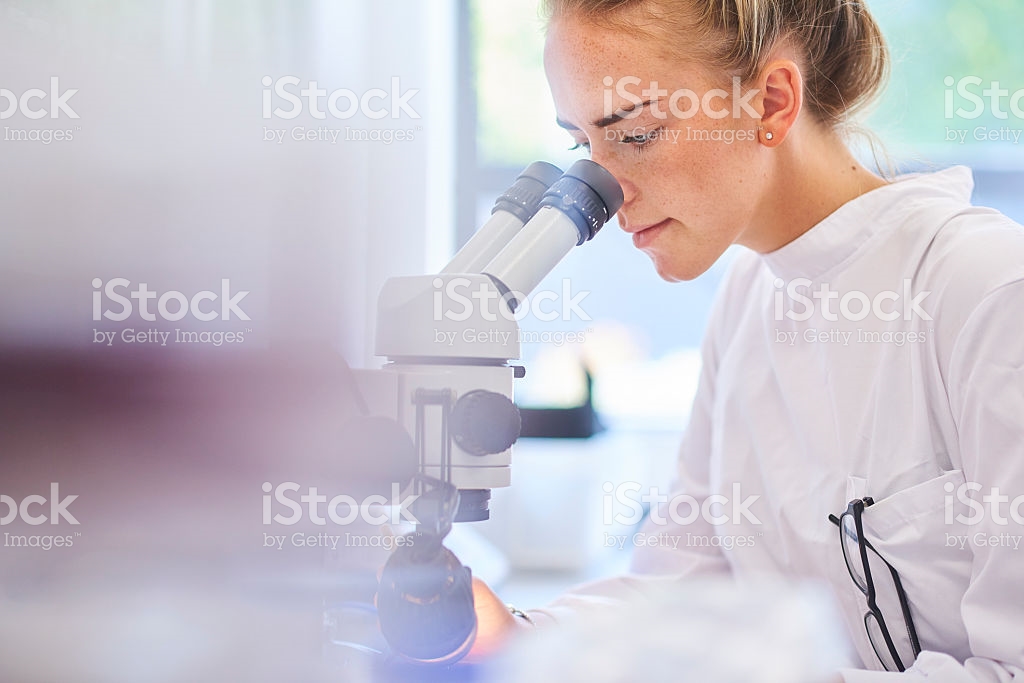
[608, 120]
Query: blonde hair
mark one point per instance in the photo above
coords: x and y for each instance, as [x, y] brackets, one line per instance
[846, 61]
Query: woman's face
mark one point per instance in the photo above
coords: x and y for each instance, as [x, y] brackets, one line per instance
[692, 178]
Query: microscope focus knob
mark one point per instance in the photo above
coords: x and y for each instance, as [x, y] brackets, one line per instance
[485, 422]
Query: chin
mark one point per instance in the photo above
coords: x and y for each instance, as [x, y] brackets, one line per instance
[678, 270]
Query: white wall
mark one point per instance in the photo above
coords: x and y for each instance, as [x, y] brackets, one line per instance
[168, 179]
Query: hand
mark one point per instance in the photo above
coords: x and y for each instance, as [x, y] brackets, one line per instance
[495, 624]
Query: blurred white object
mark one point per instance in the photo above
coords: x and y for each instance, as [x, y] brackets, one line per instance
[552, 518]
[648, 394]
[712, 632]
[478, 553]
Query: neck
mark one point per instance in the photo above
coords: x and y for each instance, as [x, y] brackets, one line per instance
[813, 174]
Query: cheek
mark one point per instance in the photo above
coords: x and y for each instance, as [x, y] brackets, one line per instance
[703, 182]
[712, 203]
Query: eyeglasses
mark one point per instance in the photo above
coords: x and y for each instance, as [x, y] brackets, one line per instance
[855, 551]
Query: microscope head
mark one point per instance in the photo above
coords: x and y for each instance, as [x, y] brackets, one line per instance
[450, 339]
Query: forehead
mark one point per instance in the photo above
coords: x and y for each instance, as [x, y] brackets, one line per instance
[585, 65]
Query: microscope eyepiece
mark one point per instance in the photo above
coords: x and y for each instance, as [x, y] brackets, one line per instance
[523, 199]
[600, 181]
[571, 212]
[514, 208]
[588, 194]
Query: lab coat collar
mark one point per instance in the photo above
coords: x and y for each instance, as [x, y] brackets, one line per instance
[840, 236]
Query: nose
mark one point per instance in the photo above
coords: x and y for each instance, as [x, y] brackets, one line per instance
[630, 192]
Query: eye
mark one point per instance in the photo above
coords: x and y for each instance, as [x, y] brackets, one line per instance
[642, 139]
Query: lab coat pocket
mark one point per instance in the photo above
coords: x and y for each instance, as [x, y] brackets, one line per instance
[902, 511]
[914, 530]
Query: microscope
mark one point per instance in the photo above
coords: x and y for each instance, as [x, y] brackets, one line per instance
[443, 417]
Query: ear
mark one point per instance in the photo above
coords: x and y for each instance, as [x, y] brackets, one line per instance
[782, 86]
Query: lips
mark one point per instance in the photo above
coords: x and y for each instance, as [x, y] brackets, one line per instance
[644, 235]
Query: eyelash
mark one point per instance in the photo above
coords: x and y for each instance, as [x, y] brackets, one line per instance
[640, 142]
[637, 142]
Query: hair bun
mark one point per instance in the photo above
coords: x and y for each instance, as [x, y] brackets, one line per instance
[847, 61]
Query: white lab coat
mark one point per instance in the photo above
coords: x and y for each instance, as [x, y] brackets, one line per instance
[807, 424]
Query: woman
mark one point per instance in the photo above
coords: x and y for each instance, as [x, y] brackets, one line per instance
[865, 348]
